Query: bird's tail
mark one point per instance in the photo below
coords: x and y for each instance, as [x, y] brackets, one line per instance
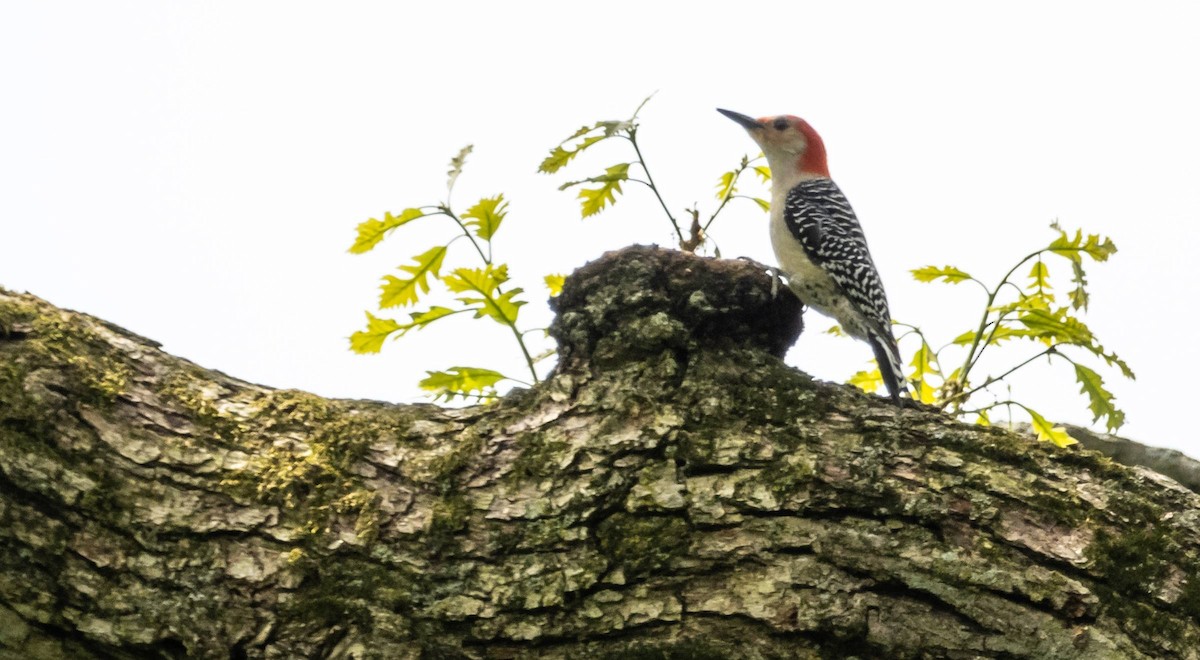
[887, 354]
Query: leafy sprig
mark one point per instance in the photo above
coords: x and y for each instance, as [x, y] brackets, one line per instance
[1029, 312]
[604, 188]
[482, 291]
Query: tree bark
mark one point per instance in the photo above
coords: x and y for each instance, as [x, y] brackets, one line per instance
[674, 490]
[1172, 463]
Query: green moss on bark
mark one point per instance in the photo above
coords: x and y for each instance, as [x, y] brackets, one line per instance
[643, 545]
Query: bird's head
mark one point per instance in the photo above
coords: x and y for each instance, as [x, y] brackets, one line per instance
[793, 149]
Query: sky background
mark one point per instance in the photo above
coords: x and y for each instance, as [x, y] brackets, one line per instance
[195, 171]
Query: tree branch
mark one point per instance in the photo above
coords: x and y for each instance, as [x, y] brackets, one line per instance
[673, 489]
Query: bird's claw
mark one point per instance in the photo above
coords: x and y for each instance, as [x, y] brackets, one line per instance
[775, 273]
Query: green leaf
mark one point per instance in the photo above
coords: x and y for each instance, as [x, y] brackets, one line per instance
[613, 126]
[583, 130]
[1100, 400]
[1057, 326]
[397, 291]
[486, 216]
[500, 307]
[1065, 246]
[867, 381]
[836, 331]
[456, 166]
[462, 381]
[955, 376]
[558, 159]
[926, 360]
[726, 185]
[1113, 361]
[371, 340]
[1079, 295]
[372, 231]
[982, 418]
[618, 172]
[554, 282]
[1040, 276]
[1099, 249]
[965, 338]
[1094, 246]
[1096, 349]
[762, 204]
[763, 172]
[561, 155]
[947, 274]
[1047, 431]
[924, 365]
[641, 105]
[594, 200]
[482, 280]
[422, 319]
[1079, 298]
[1002, 333]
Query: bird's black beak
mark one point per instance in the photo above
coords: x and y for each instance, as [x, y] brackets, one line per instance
[748, 123]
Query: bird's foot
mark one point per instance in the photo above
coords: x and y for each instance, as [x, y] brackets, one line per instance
[775, 274]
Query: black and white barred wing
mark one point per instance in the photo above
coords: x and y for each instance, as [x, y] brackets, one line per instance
[820, 217]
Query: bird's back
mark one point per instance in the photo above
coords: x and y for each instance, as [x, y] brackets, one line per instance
[821, 247]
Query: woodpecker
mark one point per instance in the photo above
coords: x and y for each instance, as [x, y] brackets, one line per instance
[818, 242]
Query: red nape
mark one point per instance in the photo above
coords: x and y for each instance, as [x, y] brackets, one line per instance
[813, 160]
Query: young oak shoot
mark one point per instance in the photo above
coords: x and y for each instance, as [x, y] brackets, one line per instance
[479, 290]
[595, 199]
[482, 290]
[1031, 313]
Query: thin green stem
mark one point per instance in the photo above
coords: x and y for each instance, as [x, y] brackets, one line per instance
[512, 325]
[985, 288]
[1040, 280]
[529, 361]
[963, 396]
[982, 409]
[751, 198]
[737, 174]
[1020, 292]
[632, 137]
[914, 330]
[713, 217]
[987, 312]
[445, 210]
[996, 324]
[519, 381]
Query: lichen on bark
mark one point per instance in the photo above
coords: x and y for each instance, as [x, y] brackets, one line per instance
[673, 490]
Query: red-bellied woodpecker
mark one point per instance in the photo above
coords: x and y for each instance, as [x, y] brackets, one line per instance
[818, 241]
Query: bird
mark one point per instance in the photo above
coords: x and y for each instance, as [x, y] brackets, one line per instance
[818, 242]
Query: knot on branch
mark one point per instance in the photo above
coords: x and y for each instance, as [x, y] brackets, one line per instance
[642, 300]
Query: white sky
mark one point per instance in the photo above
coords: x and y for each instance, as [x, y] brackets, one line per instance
[194, 171]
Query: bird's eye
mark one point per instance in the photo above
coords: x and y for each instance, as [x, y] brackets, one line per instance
[781, 124]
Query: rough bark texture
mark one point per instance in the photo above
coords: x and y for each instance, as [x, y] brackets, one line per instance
[674, 491]
[1174, 464]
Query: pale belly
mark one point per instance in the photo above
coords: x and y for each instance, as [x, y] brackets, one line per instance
[810, 283]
